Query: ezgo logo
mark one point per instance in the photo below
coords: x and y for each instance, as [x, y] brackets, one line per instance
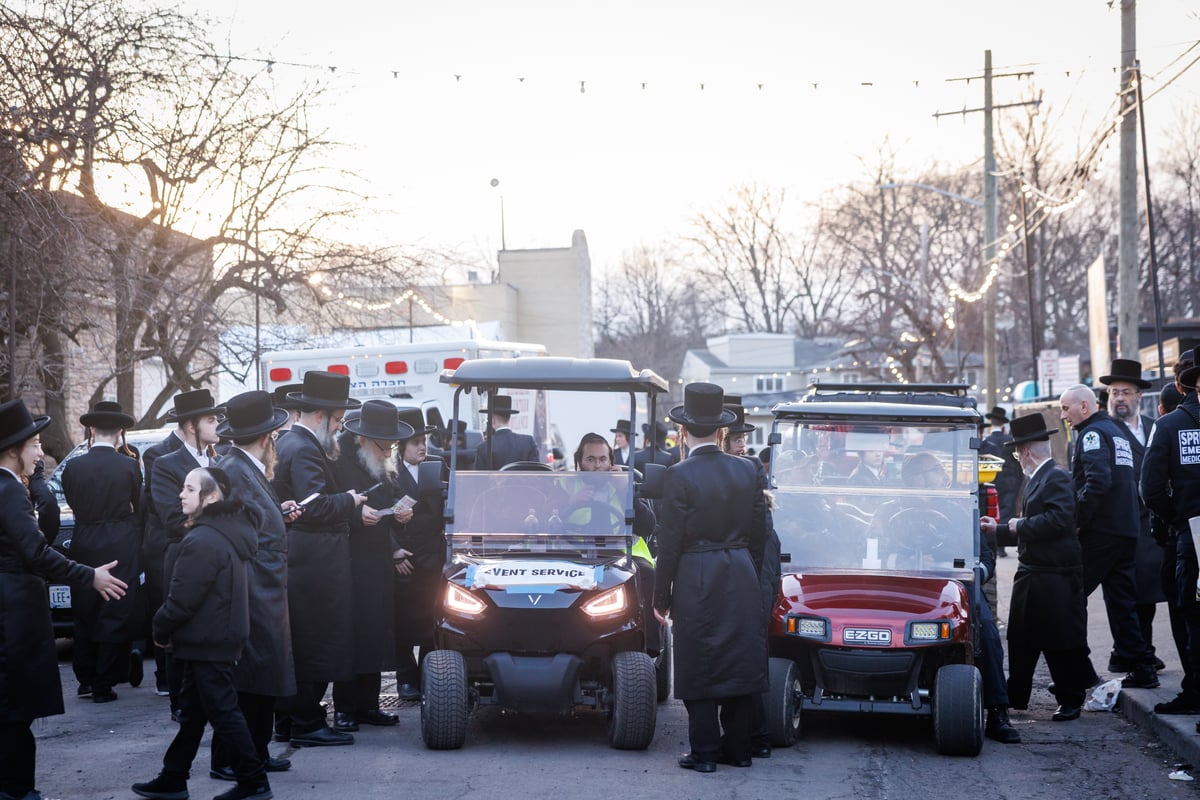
[868, 636]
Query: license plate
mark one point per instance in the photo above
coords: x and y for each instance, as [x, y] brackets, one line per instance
[868, 636]
[60, 596]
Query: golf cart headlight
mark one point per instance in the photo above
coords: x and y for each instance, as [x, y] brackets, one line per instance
[929, 631]
[606, 603]
[811, 627]
[462, 601]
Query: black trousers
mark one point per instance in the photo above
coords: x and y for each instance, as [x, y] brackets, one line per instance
[360, 695]
[646, 593]
[708, 718]
[208, 697]
[101, 665]
[415, 598]
[1179, 628]
[259, 713]
[991, 659]
[18, 757]
[1108, 561]
[307, 712]
[1069, 669]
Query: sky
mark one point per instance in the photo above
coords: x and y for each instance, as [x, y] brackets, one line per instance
[626, 118]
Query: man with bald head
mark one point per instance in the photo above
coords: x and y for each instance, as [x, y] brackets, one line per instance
[1108, 519]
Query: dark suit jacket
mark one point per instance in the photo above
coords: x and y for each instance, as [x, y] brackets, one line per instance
[658, 456]
[506, 447]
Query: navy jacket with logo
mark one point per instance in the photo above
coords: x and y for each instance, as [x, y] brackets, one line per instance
[1106, 496]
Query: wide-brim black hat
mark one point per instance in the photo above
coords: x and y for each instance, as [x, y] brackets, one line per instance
[280, 399]
[1029, 428]
[998, 413]
[739, 425]
[499, 404]
[703, 406]
[413, 417]
[198, 403]
[1187, 377]
[250, 415]
[324, 390]
[622, 427]
[1127, 370]
[107, 415]
[660, 430]
[17, 424]
[379, 419]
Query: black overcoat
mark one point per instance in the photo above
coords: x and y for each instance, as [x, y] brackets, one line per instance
[168, 474]
[319, 576]
[371, 570]
[507, 446]
[424, 537]
[711, 537]
[29, 682]
[154, 530]
[1148, 558]
[266, 666]
[1048, 610]
[104, 490]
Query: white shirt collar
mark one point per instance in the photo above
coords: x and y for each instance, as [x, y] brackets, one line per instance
[201, 458]
[103, 444]
[700, 447]
[261, 466]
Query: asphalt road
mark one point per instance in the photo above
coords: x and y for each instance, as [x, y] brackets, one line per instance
[94, 752]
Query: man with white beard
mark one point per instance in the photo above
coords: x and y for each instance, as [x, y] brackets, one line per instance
[368, 465]
[319, 578]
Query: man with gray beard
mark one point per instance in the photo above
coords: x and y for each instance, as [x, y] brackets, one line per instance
[368, 465]
[319, 577]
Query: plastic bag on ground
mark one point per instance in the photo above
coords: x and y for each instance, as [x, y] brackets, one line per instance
[1103, 696]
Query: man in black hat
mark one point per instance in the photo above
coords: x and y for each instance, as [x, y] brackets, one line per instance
[1170, 485]
[367, 464]
[319, 575]
[104, 488]
[712, 532]
[196, 416]
[419, 555]
[1107, 514]
[503, 445]
[652, 451]
[622, 443]
[265, 672]
[441, 449]
[280, 400]
[29, 666]
[1125, 385]
[1008, 481]
[1048, 609]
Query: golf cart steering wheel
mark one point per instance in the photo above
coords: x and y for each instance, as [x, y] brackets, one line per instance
[526, 466]
[599, 514]
[918, 530]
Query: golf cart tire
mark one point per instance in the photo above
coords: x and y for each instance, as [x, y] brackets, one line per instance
[782, 702]
[958, 710]
[634, 711]
[444, 708]
[662, 667]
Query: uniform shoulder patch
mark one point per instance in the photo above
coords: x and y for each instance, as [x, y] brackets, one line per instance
[1091, 441]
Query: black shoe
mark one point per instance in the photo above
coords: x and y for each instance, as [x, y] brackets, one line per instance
[344, 721]
[687, 762]
[321, 737]
[734, 762]
[1159, 664]
[1000, 727]
[1118, 664]
[260, 791]
[175, 715]
[164, 787]
[273, 764]
[222, 774]
[161, 688]
[1066, 713]
[763, 751]
[1051, 688]
[408, 692]
[1141, 678]
[377, 717]
[283, 731]
[1002, 552]
[104, 697]
[1182, 703]
[135, 668]
[83, 691]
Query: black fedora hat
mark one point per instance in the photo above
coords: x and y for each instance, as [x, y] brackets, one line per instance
[1127, 370]
[1029, 428]
[198, 403]
[703, 406]
[379, 419]
[660, 430]
[413, 417]
[500, 404]
[1187, 377]
[250, 415]
[999, 414]
[17, 424]
[107, 415]
[622, 427]
[324, 390]
[280, 399]
[739, 425]
[733, 399]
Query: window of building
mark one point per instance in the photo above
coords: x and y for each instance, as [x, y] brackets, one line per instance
[768, 383]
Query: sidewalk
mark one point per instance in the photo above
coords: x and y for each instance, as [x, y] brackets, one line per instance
[1177, 731]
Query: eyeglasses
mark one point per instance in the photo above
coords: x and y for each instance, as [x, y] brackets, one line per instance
[595, 460]
[1123, 392]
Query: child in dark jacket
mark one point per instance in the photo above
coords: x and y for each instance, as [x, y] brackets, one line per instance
[205, 620]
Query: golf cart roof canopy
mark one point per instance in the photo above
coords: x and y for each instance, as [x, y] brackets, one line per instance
[901, 403]
[547, 372]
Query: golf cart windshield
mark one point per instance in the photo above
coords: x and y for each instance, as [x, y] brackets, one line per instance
[858, 495]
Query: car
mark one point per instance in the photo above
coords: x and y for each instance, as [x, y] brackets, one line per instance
[60, 594]
[542, 600]
[879, 576]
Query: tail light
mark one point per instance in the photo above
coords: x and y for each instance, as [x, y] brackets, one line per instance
[990, 501]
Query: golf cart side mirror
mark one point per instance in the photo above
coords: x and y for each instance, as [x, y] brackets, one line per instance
[429, 476]
[651, 486]
[774, 438]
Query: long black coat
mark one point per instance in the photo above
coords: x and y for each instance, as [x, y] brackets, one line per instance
[371, 570]
[319, 576]
[29, 682]
[104, 489]
[711, 538]
[1008, 482]
[154, 530]
[266, 666]
[1048, 610]
[168, 474]
[1148, 558]
[506, 447]
[424, 537]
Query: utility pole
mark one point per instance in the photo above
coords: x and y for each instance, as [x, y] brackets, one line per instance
[990, 219]
[1127, 260]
